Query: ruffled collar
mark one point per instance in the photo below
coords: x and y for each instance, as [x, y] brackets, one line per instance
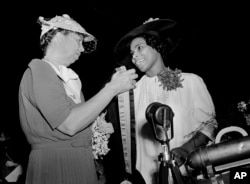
[67, 73]
[71, 81]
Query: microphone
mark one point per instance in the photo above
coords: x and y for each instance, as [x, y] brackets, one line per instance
[161, 116]
[159, 113]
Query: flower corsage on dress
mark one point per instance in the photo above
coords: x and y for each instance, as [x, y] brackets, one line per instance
[170, 79]
[101, 130]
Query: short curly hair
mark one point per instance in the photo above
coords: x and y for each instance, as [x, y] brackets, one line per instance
[156, 43]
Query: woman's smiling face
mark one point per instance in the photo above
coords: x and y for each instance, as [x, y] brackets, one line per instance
[144, 57]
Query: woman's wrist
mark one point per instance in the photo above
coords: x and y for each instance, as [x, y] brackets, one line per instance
[111, 89]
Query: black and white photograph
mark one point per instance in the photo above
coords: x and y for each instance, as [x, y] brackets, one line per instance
[123, 93]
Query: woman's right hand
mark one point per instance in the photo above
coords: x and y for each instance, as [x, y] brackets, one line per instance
[122, 81]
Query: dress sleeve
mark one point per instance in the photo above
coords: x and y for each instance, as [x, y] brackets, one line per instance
[204, 111]
[49, 94]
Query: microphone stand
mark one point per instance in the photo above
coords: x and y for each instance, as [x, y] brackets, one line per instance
[165, 158]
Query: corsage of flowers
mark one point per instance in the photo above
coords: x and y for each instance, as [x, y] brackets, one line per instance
[101, 131]
[170, 79]
[244, 108]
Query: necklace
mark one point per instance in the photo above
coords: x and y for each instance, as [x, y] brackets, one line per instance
[170, 79]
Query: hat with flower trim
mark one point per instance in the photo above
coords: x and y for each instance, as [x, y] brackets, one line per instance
[166, 30]
[64, 22]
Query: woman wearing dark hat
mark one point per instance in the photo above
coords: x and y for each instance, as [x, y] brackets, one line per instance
[54, 116]
[147, 47]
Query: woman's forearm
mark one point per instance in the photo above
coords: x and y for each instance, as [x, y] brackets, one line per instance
[84, 114]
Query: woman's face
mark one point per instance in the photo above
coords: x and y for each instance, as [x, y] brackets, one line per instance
[144, 57]
[71, 48]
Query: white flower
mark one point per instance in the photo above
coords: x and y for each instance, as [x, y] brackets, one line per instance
[101, 131]
[242, 106]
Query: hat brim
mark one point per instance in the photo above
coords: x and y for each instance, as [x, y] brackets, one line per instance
[166, 29]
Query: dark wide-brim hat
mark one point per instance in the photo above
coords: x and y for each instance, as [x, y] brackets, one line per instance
[166, 30]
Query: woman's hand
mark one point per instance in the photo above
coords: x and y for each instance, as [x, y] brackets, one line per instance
[179, 155]
[123, 80]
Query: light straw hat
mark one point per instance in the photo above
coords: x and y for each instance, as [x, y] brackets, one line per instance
[64, 22]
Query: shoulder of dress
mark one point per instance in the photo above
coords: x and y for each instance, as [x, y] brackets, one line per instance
[190, 79]
[190, 76]
[140, 80]
[185, 74]
[42, 69]
[38, 64]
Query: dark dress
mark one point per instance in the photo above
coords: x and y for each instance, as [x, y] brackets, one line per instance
[55, 158]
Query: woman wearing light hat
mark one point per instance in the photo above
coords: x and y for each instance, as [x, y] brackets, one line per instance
[53, 113]
[147, 48]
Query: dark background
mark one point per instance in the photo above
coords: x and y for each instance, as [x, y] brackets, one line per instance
[214, 46]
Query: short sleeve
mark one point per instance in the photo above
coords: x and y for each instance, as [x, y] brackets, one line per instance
[49, 94]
